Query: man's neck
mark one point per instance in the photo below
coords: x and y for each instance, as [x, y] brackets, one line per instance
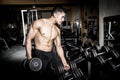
[52, 20]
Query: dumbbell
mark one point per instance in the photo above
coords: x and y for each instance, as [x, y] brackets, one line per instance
[89, 53]
[98, 58]
[98, 51]
[115, 55]
[96, 54]
[73, 74]
[107, 55]
[62, 74]
[84, 52]
[113, 65]
[110, 52]
[34, 64]
[106, 49]
[101, 60]
[72, 51]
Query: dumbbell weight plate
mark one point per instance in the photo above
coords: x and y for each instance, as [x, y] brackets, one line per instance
[78, 74]
[115, 54]
[111, 65]
[35, 64]
[74, 69]
[94, 53]
[73, 65]
[105, 49]
[24, 63]
[97, 47]
[60, 71]
[82, 75]
[99, 60]
[60, 68]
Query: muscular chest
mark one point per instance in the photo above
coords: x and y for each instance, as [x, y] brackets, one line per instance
[48, 32]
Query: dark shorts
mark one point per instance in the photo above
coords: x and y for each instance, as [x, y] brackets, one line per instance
[49, 62]
[47, 59]
[43, 55]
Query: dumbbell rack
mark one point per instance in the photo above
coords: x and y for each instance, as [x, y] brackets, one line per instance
[74, 73]
[101, 57]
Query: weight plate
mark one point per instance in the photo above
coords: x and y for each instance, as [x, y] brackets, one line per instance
[35, 64]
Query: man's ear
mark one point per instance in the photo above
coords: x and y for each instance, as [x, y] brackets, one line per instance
[55, 15]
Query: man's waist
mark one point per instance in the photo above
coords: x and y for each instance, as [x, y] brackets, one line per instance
[43, 48]
[43, 51]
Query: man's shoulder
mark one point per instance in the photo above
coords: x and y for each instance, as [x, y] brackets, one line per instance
[43, 20]
[39, 22]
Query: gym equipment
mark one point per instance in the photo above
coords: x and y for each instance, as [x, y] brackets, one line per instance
[31, 16]
[106, 54]
[3, 44]
[108, 32]
[96, 50]
[104, 57]
[101, 60]
[74, 73]
[93, 56]
[72, 53]
[113, 65]
[77, 30]
[34, 64]
[99, 54]
[115, 55]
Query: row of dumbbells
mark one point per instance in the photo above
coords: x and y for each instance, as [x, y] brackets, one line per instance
[100, 56]
[103, 56]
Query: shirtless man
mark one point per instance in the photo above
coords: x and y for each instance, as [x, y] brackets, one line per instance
[45, 33]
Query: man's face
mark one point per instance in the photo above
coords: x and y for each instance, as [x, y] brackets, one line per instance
[59, 17]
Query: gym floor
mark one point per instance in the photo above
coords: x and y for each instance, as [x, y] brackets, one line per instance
[11, 60]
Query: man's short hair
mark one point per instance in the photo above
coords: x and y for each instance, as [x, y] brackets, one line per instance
[58, 9]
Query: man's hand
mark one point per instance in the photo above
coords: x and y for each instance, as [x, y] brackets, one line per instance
[28, 57]
[66, 67]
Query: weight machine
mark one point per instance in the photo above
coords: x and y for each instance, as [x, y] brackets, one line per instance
[28, 16]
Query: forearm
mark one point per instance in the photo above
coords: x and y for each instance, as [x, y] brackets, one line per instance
[60, 53]
[28, 49]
